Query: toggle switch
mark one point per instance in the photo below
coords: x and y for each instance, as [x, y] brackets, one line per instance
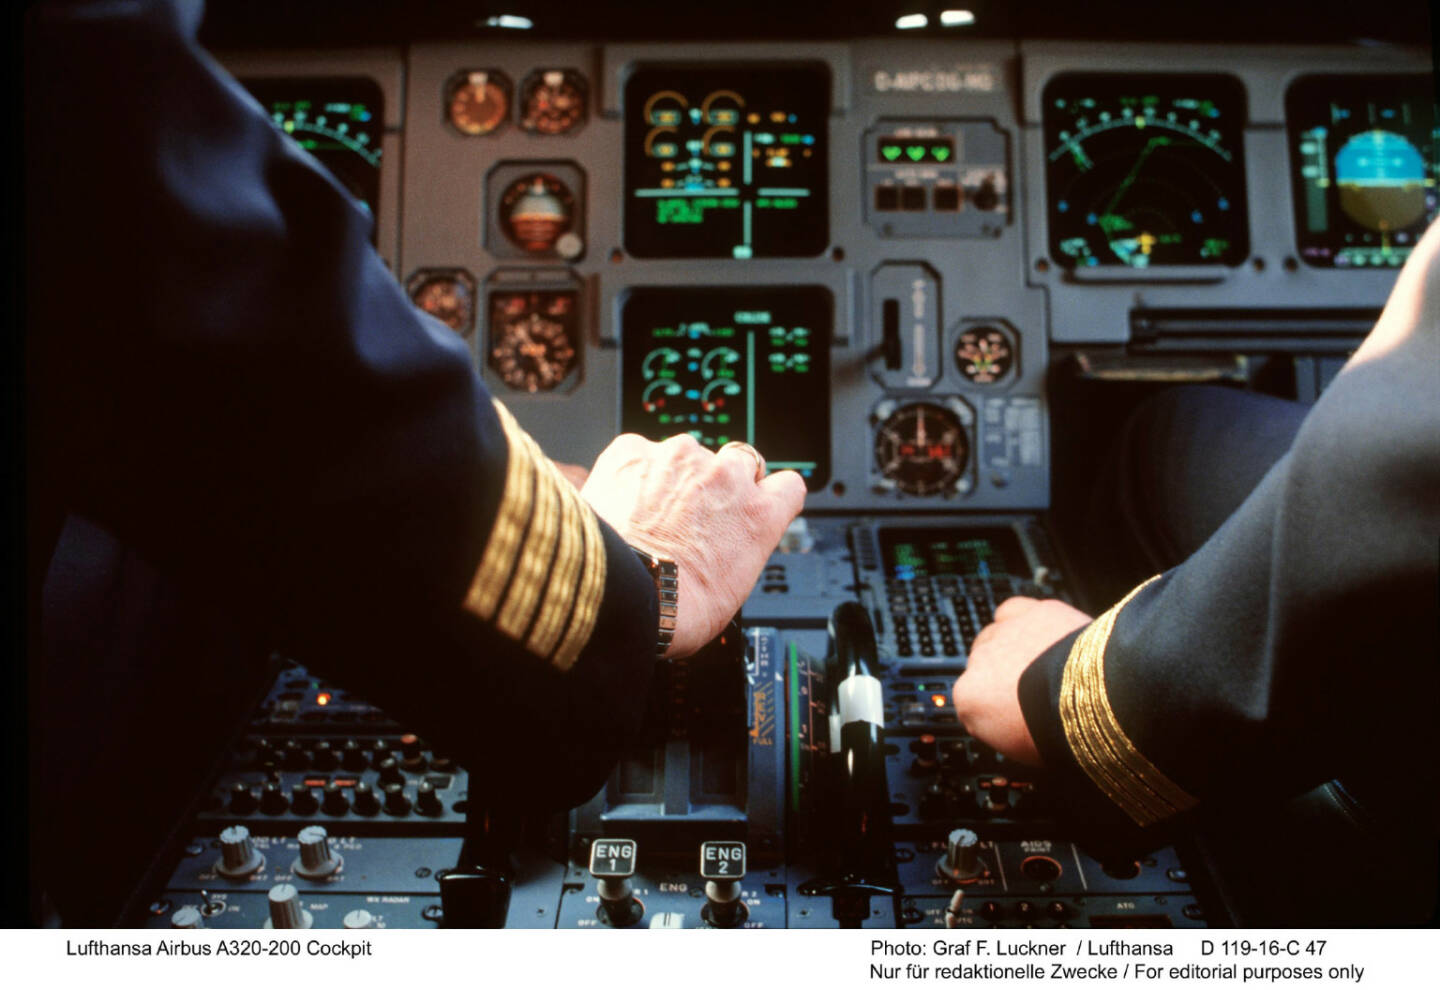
[722, 867]
[612, 863]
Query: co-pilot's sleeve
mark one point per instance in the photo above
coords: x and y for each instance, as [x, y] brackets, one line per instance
[1299, 644]
[226, 376]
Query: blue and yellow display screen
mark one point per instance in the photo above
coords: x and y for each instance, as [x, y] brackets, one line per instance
[913, 553]
[734, 363]
[338, 120]
[727, 161]
[1364, 160]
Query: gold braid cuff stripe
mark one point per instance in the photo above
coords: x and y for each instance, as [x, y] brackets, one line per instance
[530, 576]
[1100, 745]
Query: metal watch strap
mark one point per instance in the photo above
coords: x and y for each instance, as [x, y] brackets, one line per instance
[666, 575]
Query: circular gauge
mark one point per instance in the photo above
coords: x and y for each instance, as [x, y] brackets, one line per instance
[446, 294]
[984, 355]
[536, 211]
[532, 339]
[921, 448]
[1145, 171]
[477, 102]
[554, 101]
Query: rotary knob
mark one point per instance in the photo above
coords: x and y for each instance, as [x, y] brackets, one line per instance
[366, 803]
[396, 803]
[325, 758]
[961, 861]
[335, 802]
[359, 918]
[302, 800]
[285, 908]
[238, 856]
[317, 860]
[293, 755]
[352, 756]
[272, 799]
[390, 772]
[427, 802]
[242, 801]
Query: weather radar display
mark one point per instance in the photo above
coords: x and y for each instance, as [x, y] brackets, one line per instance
[1145, 170]
[1365, 157]
[726, 161]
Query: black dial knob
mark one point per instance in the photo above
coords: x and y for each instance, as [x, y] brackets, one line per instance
[242, 801]
[427, 802]
[238, 856]
[352, 756]
[273, 800]
[294, 756]
[335, 802]
[390, 772]
[366, 803]
[396, 803]
[303, 800]
[324, 757]
[442, 764]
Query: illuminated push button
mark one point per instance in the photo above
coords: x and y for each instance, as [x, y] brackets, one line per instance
[359, 918]
[286, 910]
[991, 911]
[366, 803]
[1057, 910]
[612, 863]
[722, 867]
[335, 801]
[947, 198]
[1025, 911]
[927, 756]
[961, 861]
[887, 198]
[427, 802]
[187, 917]
[912, 198]
[238, 856]
[303, 801]
[317, 860]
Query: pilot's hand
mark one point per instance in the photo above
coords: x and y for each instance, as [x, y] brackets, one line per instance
[709, 512]
[986, 696]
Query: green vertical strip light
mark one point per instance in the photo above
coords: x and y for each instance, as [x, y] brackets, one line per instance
[794, 681]
[750, 389]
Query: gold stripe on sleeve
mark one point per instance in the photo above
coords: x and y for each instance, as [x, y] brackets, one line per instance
[1100, 745]
[564, 575]
[498, 561]
[538, 549]
[587, 599]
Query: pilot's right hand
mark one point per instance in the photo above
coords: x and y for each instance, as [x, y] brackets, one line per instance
[711, 513]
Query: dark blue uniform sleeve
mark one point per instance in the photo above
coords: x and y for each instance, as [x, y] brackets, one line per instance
[224, 374]
[1299, 643]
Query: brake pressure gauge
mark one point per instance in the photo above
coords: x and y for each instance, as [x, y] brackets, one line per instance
[477, 101]
[554, 101]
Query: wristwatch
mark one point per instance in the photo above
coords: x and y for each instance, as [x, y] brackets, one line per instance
[666, 575]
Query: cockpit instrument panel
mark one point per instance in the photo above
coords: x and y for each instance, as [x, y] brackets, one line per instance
[339, 120]
[727, 161]
[1364, 160]
[1145, 170]
[726, 364]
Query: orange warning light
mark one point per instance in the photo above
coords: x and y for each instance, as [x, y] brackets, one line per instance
[322, 699]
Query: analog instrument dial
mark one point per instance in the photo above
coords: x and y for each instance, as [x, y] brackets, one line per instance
[446, 294]
[921, 448]
[536, 211]
[533, 339]
[477, 102]
[554, 100]
[984, 355]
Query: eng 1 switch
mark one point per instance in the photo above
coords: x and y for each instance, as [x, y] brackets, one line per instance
[722, 867]
[612, 863]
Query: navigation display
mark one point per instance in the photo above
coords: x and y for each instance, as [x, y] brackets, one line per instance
[917, 553]
[338, 120]
[726, 364]
[726, 161]
[1364, 159]
[1145, 170]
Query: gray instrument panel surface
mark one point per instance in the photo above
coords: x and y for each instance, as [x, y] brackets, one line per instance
[436, 213]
